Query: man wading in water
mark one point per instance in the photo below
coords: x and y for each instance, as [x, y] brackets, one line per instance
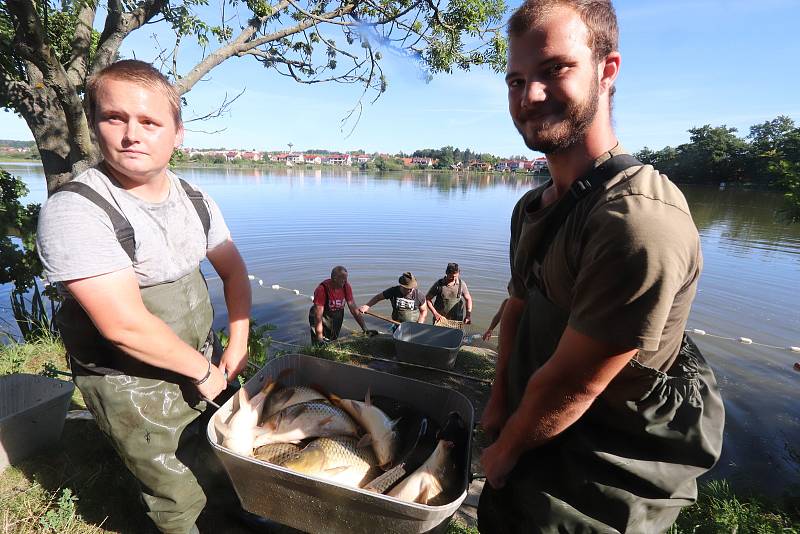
[605, 413]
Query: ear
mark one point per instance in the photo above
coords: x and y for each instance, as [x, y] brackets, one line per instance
[179, 136]
[608, 69]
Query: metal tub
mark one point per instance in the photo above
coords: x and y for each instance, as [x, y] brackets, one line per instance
[32, 413]
[426, 344]
[312, 505]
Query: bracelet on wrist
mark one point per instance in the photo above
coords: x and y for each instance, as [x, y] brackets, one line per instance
[202, 380]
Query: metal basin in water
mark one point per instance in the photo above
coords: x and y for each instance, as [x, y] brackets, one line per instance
[426, 344]
[314, 505]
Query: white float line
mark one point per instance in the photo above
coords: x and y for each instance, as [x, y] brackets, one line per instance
[742, 340]
[276, 287]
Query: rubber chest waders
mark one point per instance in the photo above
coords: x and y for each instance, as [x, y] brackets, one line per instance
[146, 411]
[450, 302]
[405, 309]
[630, 462]
[331, 319]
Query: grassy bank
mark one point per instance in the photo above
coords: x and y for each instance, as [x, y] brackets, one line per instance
[80, 486]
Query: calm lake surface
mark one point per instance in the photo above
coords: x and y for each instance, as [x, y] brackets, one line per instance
[293, 225]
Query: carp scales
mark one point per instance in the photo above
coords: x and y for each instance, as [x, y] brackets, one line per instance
[239, 431]
[302, 421]
[379, 428]
[338, 460]
[429, 480]
[276, 453]
[289, 396]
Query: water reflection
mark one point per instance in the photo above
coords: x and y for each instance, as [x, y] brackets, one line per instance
[293, 224]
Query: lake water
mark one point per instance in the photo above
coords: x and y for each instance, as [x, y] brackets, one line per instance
[293, 225]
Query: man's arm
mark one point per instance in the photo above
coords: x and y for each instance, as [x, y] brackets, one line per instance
[356, 314]
[496, 412]
[468, 304]
[114, 304]
[423, 313]
[318, 330]
[430, 306]
[495, 321]
[228, 263]
[556, 396]
[373, 301]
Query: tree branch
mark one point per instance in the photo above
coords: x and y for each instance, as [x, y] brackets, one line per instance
[118, 26]
[31, 44]
[79, 59]
[244, 43]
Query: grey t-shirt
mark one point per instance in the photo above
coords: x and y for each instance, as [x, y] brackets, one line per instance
[76, 238]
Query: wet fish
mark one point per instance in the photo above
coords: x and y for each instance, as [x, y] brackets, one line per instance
[289, 396]
[239, 431]
[388, 479]
[276, 453]
[379, 428]
[307, 420]
[429, 480]
[338, 460]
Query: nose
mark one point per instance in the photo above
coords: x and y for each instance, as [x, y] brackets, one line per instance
[534, 93]
[131, 132]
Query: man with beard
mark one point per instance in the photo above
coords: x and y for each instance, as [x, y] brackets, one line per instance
[604, 412]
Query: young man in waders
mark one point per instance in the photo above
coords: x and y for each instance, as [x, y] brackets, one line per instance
[604, 412]
[124, 241]
[408, 304]
[327, 313]
[449, 298]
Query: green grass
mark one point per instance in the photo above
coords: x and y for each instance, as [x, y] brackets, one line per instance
[719, 510]
[80, 486]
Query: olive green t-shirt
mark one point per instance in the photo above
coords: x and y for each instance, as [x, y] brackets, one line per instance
[624, 264]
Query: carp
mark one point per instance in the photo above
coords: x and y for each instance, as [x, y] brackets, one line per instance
[289, 396]
[334, 459]
[380, 430]
[302, 421]
[429, 480]
[276, 453]
[239, 431]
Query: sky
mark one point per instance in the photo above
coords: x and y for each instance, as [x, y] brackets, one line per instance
[685, 63]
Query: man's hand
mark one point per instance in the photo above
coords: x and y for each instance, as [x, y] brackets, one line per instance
[214, 385]
[233, 362]
[363, 308]
[468, 318]
[488, 334]
[495, 413]
[497, 462]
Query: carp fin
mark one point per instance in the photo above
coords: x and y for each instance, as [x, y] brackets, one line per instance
[365, 441]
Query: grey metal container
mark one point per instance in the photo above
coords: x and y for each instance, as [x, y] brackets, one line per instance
[425, 344]
[313, 505]
[32, 413]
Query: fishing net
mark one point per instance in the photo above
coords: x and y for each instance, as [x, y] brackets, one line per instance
[449, 323]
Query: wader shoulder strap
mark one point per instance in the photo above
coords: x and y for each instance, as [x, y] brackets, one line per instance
[580, 189]
[122, 228]
[199, 204]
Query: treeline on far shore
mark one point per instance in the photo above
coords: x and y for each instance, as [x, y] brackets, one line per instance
[769, 155]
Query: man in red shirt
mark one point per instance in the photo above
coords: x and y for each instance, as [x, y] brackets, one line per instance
[327, 313]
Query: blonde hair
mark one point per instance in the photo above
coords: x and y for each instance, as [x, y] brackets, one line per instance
[137, 72]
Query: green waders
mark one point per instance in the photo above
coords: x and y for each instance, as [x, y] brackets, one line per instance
[449, 302]
[402, 311]
[145, 411]
[332, 320]
[628, 464]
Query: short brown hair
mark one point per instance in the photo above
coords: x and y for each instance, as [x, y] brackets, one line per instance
[134, 71]
[598, 16]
